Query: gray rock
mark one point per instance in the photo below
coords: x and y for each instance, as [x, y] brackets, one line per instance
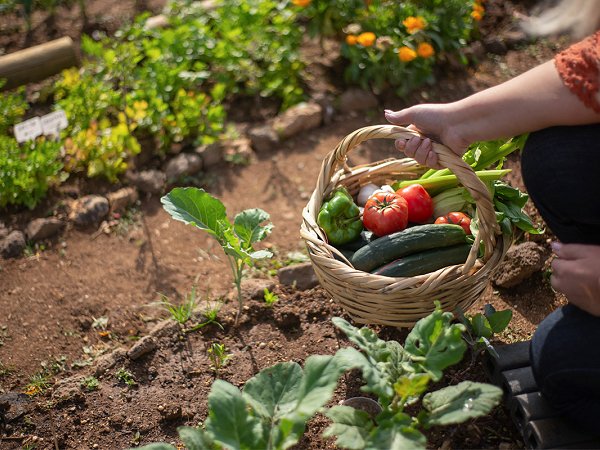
[263, 138]
[68, 390]
[166, 328]
[254, 288]
[357, 100]
[520, 263]
[151, 181]
[121, 199]
[142, 347]
[302, 117]
[14, 405]
[183, 164]
[211, 154]
[89, 210]
[12, 246]
[39, 229]
[108, 361]
[301, 275]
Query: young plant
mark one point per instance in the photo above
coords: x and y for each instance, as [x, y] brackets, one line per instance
[480, 328]
[218, 355]
[90, 383]
[270, 297]
[125, 376]
[210, 314]
[399, 376]
[180, 313]
[38, 383]
[197, 207]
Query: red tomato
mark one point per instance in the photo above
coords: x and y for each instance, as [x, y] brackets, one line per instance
[420, 205]
[385, 213]
[457, 218]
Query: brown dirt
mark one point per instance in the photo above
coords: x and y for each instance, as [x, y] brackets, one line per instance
[50, 299]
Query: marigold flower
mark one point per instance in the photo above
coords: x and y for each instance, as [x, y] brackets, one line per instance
[478, 8]
[366, 39]
[414, 24]
[425, 50]
[406, 54]
[301, 3]
[476, 16]
[351, 39]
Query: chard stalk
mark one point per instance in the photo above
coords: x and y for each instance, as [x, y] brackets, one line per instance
[438, 184]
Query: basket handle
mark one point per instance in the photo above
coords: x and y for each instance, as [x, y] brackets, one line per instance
[488, 227]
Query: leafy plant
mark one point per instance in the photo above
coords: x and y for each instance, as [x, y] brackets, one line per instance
[38, 383]
[90, 383]
[125, 376]
[197, 207]
[181, 313]
[12, 107]
[218, 355]
[270, 297]
[399, 376]
[480, 328]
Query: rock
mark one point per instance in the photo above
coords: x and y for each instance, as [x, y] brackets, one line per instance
[357, 100]
[89, 210]
[302, 117]
[263, 138]
[301, 275]
[12, 246]
[108, 361]
[182, 165]
[68, 390]
[159, 21]
[121, 199]
[14, 405]
[327, 103]
[211, 154]
[254, 288]
[238, 151]
[142, 347]
[520, 263]
[39, 229]
[166, 328]
[151, 181]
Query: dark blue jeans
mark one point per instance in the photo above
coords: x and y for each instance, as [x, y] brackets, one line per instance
[561, 169]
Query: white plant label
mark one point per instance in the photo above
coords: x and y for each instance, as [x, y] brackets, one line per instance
[54, 122]
[28, 130]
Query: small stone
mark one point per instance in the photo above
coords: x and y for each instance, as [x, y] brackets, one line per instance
[263, 138]
[211, 154]
[39, 229]
[150, 181]
[302, 117]
[262, 345]
[68, 390]
[182, 165]
[521, 261]
[108, 361]
[12, 246]
[121, 199]
[89, 210]
[357, 100]
[301, 275]
[14, 405]
[254, 288]
[142, 347]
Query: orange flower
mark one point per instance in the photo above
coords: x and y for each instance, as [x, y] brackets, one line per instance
[351, 39]
[478, 8]
[476, 16]
[406, 54]
[366, 39]
[425, 50]
[414, 24]
[302, 3]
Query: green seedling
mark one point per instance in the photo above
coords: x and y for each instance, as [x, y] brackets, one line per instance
[38, 383]
[218, 355]
[480, 328]
[270, 297]
[197, 207]
[125, 376]
[210, 314]
[181, 313]
[90, 383]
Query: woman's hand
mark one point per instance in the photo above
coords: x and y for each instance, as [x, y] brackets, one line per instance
[433, 121]
[576, 273]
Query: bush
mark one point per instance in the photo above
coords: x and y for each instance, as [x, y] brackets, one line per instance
[12, 107]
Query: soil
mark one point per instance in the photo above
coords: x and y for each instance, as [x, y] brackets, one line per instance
[67, 307]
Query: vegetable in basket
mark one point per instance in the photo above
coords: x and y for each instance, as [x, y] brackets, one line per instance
[420, 205]
[457, 218]
[385, 213]
[339, 217]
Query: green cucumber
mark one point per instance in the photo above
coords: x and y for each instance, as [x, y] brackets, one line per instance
[365, 238]
[412, 240]
[425, 262]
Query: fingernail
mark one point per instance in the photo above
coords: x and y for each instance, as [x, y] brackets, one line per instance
[556, 246]
[388, 112]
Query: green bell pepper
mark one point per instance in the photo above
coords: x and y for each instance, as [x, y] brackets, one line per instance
[339, 217]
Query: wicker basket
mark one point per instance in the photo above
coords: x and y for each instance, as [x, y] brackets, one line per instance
[400, 302]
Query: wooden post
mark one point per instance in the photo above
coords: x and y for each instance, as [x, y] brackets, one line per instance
[38, 62]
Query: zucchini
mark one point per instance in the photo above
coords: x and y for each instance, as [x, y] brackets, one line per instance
[425, 262]
[412, 240]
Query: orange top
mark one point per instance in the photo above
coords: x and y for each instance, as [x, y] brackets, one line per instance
[578, 68]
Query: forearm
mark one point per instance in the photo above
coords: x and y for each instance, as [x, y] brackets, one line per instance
[534, 100]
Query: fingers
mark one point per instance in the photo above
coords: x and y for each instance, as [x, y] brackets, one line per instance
[419, 149]
[573, 251]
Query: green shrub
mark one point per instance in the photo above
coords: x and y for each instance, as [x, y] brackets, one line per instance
[27, 171]
[12, 107]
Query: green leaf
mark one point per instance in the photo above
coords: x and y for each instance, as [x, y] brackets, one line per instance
[197, 207]
[365, 339]
[351, 427]
[499, 320]
[481, 326]
[261, 254]
[273, 392]
[455, 404]
[434, 343]
[412, 385]
[247, 226]
[229, 422]
[195, 439]
[516, 215]
[396, 433]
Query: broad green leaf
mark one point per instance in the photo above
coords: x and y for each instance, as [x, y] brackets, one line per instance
[273, 392]
[365, 339]
[396, 433]
[195, 439]
[434, 343]
[351, 427]
[156, 446]
[247, 226]
[412, 385]
[455, 404]
[229, 422]
[500, 320]
[197, 207]
[481, 326]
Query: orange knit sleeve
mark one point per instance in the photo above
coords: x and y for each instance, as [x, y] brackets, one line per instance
[578, 68]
